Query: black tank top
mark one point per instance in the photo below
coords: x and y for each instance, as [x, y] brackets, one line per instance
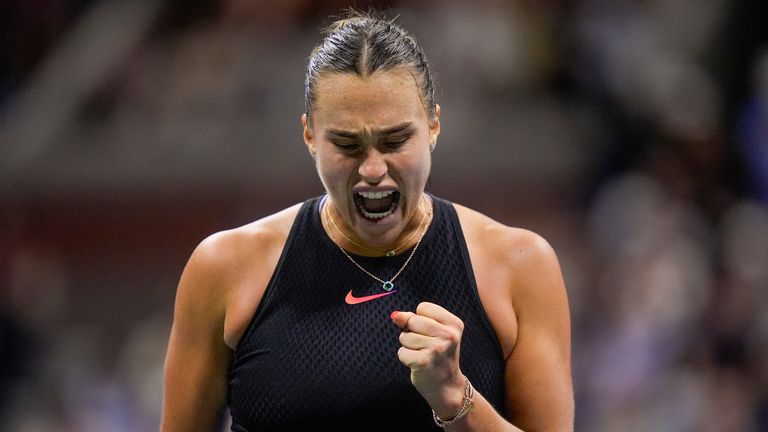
[310, 361]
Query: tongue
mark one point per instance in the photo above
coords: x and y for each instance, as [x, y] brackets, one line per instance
[377, 205]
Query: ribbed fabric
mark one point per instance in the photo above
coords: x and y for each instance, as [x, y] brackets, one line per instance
[309, 361]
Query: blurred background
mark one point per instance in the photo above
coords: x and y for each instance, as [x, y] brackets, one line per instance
[632, 134]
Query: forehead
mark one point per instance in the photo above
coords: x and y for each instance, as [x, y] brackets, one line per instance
[384, 98]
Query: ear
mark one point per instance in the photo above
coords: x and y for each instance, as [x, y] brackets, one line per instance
[434, 127]
[309, 138]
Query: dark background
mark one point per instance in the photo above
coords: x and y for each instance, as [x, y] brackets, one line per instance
[632, 134]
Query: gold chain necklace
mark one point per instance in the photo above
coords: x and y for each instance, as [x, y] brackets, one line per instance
[387, 285]
[389, 253]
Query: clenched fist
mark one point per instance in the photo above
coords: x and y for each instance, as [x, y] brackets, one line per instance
[430, 340]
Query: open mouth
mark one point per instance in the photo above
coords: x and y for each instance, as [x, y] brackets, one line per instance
[376, 205]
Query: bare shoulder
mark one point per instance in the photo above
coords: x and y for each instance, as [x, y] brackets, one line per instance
[224, 257]
[227, 247]
[516, 245]
[525, 254]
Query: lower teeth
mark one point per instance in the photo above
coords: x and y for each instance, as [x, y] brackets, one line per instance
[377, 215]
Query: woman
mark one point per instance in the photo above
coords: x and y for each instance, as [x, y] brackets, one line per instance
[376, 306]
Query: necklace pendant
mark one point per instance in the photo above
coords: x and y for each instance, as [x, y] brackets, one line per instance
[391, 253]
[388, 285]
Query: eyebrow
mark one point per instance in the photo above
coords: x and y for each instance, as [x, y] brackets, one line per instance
[403, 127]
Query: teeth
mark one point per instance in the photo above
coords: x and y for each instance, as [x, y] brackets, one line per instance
[375, 195]
[377, 215]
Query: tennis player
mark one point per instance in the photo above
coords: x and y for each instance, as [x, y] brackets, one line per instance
[376, 306]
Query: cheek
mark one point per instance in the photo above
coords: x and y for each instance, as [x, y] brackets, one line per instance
[418, 169]
[334, 173]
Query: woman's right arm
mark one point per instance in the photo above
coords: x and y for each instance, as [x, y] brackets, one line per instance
[195, 384]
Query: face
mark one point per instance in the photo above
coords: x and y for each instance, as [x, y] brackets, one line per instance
[371, 141]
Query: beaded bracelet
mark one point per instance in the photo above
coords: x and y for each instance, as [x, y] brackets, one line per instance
[465, 407]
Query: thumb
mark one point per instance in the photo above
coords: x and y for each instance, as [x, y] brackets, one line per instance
[401, 318]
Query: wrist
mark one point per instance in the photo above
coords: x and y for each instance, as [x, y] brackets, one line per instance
[451, 411]
[448, 400]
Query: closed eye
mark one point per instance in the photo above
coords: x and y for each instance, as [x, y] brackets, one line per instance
[395, 143]
[346, 146]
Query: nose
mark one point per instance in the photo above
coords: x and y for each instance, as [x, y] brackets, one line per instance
[373, 167]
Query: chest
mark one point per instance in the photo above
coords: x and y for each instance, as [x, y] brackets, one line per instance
[311, 357]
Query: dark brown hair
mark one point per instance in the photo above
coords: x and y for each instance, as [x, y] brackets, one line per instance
[362, 44]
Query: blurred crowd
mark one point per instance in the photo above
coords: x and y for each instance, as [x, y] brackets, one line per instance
[632, 134]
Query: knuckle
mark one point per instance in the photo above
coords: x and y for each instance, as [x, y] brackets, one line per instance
[422, 362]
[403, 338]
[412, 318]
[401, 353]
[442, 347]
[460, 325]
[421, 308]
[450, 334]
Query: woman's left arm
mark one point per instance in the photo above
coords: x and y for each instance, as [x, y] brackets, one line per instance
[538, 382]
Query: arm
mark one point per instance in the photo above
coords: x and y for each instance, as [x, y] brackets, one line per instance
[538, 372]
[195, 387]
[537, 375]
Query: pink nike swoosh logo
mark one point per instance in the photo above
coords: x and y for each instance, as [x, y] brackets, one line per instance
[350, 299]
